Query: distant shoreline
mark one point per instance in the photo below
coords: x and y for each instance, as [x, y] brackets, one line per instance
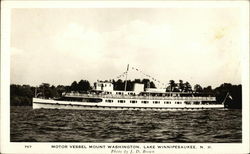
[21, 95]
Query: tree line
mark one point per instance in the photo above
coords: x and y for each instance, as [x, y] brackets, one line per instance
[21, 95]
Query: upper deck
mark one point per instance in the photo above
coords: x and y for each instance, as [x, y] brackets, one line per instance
[142, 97]
[106, 90]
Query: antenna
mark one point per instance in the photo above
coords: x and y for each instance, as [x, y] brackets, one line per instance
[126, 78]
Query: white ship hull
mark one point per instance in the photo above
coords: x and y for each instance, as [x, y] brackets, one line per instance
[56, 104]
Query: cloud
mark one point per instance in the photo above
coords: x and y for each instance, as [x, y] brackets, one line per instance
[139, 34]
[79, 42]
[123, 44]
[195, 45]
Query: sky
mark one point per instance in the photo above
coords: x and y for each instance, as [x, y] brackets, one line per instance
[59, 46]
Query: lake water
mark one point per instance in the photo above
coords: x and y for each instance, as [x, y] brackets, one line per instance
[48, 125]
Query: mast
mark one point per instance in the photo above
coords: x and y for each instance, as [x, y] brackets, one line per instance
[35, 92]
[225, 98]
[126, 78]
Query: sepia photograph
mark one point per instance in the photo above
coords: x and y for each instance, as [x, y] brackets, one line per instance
[110, 75]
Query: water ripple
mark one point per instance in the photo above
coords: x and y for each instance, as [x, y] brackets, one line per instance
[47, 125]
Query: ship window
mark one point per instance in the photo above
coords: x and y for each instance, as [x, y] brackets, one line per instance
[196, 103]
[156, 102]
[167, 102]
[133, 101]
[144, 102]
[121, 101]
[205, 102]
[188, 103]
[177, 102]
[109, 101]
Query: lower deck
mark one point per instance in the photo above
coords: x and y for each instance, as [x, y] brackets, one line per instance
[121, 105]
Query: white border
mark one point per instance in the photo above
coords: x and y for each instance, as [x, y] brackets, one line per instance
[10, 147]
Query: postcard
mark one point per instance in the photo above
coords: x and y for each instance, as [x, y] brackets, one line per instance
[125, 77]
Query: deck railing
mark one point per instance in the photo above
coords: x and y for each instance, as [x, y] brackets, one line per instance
[139, 97]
